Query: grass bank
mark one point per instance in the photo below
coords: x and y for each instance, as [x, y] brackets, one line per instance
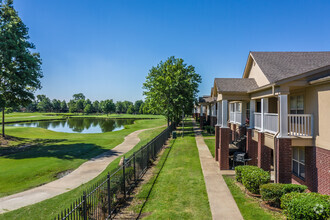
[179, 191]
[52, 152]
[249, 207]
[50, 208]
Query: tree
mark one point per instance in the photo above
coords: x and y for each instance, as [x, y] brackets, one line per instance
[80, 105]
[171, 88]
[64, 107]
[96, 106]
[88, 109]
[130, 110]
[20, 68]
[56, 105]
[119, 107]
[107, 106]
[137, 106]
[78, 96]
[44, 104]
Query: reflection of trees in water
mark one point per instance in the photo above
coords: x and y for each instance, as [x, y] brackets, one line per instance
[81, 124]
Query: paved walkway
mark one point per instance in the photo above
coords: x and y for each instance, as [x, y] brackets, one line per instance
[83, 174]
[222, 203]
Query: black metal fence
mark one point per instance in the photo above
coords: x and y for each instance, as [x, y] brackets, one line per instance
[103, 199]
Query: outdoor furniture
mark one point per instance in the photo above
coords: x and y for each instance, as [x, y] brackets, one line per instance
[240, 157]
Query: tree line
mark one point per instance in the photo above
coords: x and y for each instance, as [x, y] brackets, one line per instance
[79, 104]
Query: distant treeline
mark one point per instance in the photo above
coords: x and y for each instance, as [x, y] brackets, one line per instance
[79, 104]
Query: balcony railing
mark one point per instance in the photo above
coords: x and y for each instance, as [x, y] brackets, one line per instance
[257, 120]
[300, 124]
[271, 122]
[235, 117]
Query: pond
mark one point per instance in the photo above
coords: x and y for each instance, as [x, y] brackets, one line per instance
[79, 125]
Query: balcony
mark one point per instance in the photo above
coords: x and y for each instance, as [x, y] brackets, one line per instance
[235, 117]
[298, 124]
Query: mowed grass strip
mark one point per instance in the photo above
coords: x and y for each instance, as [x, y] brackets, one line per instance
[179, 191]
[249, 207]
[211, 145]
[55, 152]
[48, 209]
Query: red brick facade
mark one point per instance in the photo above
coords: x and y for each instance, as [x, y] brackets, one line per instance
[217, 138]
[213, 121]
[264, 153]
[251, 148]
[223, 151]
[284, 160]
[201, 121]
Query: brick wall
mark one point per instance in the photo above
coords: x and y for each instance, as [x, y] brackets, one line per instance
[284, 160]
[264, 153]
[223, 150]
[217, 139]
[322, 166]
[251, 148]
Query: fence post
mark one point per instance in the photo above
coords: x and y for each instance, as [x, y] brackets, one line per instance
[109, 195]
[134, 168]
[124, 178]
[84, 206]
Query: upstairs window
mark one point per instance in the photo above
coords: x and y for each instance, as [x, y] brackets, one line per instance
[297, 104]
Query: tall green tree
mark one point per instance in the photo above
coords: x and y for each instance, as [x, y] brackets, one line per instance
[56, 105]
[78, 96]
[171, 88]
[64, 107]
[107, 106]
[20, 68]
[137, 105]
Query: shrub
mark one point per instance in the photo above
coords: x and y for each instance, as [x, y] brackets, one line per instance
[306, 205]
[272, 192]
[253, 178]
[209, 129]
[239, 169]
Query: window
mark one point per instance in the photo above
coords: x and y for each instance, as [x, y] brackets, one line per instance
[297, 104]
[238, 107]
[298, 162]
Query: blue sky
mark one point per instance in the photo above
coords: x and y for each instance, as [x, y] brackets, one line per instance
[105, 48]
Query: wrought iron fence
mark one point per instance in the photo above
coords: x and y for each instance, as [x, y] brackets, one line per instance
[103, 199]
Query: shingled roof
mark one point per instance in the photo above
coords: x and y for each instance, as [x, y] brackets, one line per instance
[280, 65]
[235, 84]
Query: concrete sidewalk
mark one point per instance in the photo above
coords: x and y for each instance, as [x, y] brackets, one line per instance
[222, 203]
[83, 174]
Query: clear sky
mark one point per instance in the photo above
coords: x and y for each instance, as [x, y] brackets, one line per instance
[105, 48]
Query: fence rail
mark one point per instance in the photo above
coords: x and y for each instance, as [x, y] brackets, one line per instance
[271, 122]
[300, 124]
[103, 198]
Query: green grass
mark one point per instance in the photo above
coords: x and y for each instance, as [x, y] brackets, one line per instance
[211, 145]
[249, 207]
[179, 191]
[55, 152]
[51, 207]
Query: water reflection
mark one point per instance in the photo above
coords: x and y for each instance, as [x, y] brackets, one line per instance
[79, 125]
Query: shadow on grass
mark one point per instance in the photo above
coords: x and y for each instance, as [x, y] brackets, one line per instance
[62, 151]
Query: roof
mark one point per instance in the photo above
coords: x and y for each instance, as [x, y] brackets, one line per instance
[205, 99]
[235, 84]
[281, 65]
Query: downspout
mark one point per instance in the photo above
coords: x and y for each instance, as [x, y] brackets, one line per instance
[275, 137]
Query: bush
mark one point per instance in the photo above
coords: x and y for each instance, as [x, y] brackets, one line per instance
[272, 192]
[239, 169]
[306, 205]
[209, 129]
[253, 178]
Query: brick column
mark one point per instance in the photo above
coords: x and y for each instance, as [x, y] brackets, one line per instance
[233, 132]
[264, 153]
[223, 151]
[251, 148]
[217, 140]
[283, 160]
[310, 169]
[201, 121]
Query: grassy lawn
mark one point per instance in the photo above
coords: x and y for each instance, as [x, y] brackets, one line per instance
[211, 145]
[55, 152]
[179, 191]
[51, 207]
[249, 207]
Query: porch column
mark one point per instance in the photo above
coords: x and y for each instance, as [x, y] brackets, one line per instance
[201, 110]
[264, 109]
[217, 131]
[224, 113]
[219, 114]
[252, 110]
[283, 99]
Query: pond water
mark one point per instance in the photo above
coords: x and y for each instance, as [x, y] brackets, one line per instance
[79, 125]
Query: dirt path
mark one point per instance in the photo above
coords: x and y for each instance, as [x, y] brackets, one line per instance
[83, 174]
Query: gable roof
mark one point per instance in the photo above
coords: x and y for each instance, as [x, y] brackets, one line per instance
[281, 65]
[235, 84]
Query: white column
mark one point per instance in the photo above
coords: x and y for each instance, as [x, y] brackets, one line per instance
[283, 115]
[219, 115]
[264, 109]
[252, 110]
[201, 114]
[224, 113]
